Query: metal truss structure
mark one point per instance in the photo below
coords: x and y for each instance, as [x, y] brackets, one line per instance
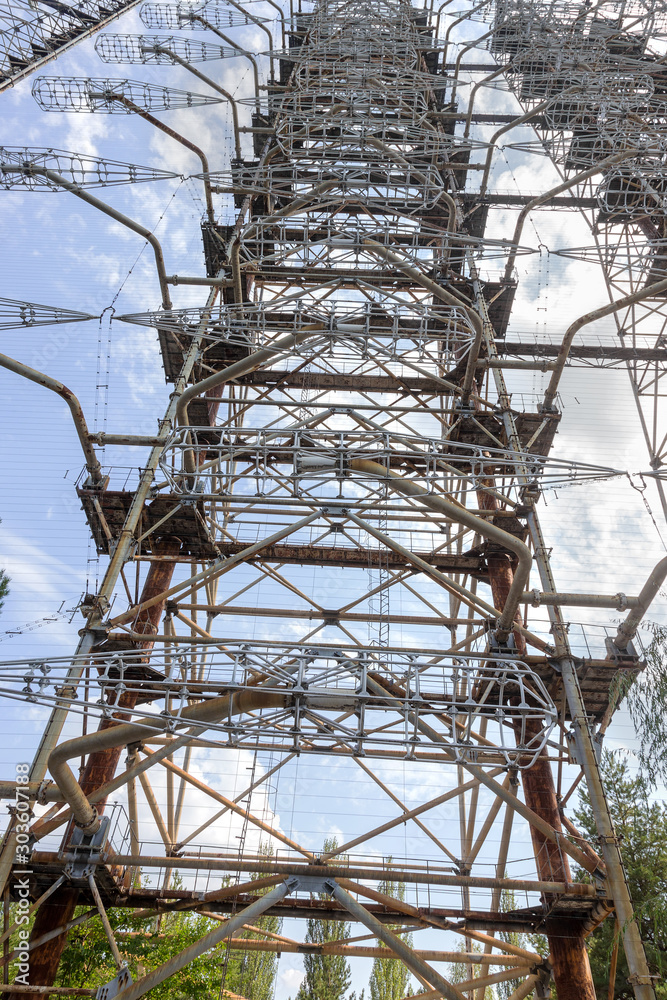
[342, 434]
[27, 167]
[32, 32]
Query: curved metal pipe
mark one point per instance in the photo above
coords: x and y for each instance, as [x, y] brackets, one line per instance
[536, 110]
[473, 95]
[541, 199]
[108, 210]
[445, 296]
[76, 410]
[243, 367]
[657, 288]
[121, 99]
[464, 17]
[628, 629]
[85, 815]
[234, 45]
[462, 516]
[460, 55]
[260, 24]
[521, 120]
[211, 83]
[280, 19]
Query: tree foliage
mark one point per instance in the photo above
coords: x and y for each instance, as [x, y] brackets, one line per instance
[536, 942]
[147, 942]
[4, 586]
[641, 825]
[327, 976]
[647, 703]
[460, 972]
[252, 974]
[390, 980]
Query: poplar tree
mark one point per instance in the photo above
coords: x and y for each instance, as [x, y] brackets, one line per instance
[640, 822]
[327, 976]
[252, 974]
[459, 972]
[647, 703]
[4, 585]
[390, 980]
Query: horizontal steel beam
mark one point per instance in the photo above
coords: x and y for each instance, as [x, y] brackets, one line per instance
[500, 198]
[314, 614]
[370, 951]
[404, 384]
[595, 352]
[525, 922]
[215, 863]
[330, 555]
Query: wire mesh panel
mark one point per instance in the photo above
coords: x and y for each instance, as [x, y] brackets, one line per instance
[14, 313]
[77, 93]
[33, 32]
[156, 48]
[19, 164]
[177, 15]
[505, 693]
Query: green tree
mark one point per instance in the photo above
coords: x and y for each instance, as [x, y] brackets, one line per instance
[252, 974]
[390, 980]
[647, 702]
[536, 943]
[87, 959]
[460, 971]
[641, 825]
[4, 586]
[147, 942]
[508, 903]
[327, 976]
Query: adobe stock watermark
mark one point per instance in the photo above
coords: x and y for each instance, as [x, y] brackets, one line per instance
[21, 860]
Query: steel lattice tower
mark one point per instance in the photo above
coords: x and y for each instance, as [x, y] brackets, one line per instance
[342, 412]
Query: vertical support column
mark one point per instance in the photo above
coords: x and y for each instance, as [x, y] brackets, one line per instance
[569, 958]
[100, 768]
[640, 977]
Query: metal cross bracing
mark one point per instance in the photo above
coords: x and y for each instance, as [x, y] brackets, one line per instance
[33, 32]
[340, 404]
[597, 79]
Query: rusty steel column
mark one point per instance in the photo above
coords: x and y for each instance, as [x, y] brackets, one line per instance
[99, 768]
[569, 957]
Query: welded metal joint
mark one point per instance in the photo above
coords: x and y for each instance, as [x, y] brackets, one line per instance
[113, 988]
[627, 657]
[85, 850]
